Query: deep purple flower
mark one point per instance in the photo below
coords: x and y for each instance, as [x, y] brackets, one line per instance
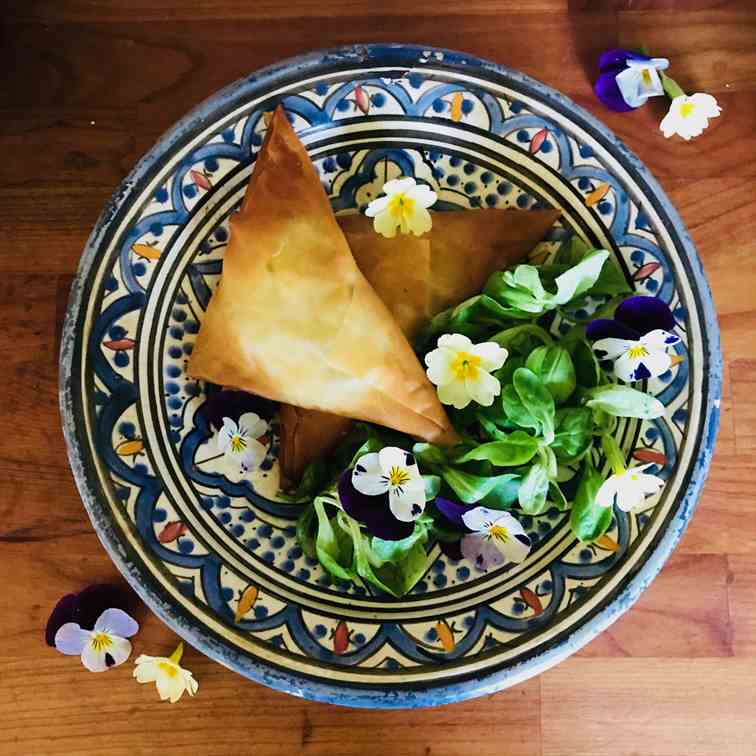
[452, 549]
[636, 340]
[635, 317]
[612, 62]
[372, 511]
[452, 510]
[233, 404]
[84, 608]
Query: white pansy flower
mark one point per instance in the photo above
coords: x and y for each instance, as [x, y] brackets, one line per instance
[638, 360]
[404, 208]
[497, 538]
[462, 370]
[641, 80]
[103, 647]
[170, 679]
[628, 489]
[238, 441]
[393, 471]
[688, 116]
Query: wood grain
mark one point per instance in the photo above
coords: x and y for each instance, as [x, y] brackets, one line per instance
[86, 87]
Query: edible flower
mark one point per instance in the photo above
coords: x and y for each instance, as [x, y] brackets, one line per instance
[628, 489]
[238, 441]
[636, 339]
[231, 403]
[104, 646]
[385, 492]
[404, 207]
[688, 116]
[627, 79]
[462, 370]
[84, 608]
[497, 538]
[170, 679]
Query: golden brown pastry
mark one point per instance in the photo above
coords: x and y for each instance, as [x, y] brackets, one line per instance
[294, 319]
[418, 278]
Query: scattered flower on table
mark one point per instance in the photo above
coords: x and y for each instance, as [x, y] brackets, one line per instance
[169, 677]
[84, 608]
[384, 491]
[628, 489]
[497, 538]
[688, 116]
[462, 370]
[627, 79]
[104, 646]
[636, 340]
[238, 441]
[404, 208]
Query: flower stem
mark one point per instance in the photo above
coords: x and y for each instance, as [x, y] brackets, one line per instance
[175, 657]
[613, 454]
[671, 87]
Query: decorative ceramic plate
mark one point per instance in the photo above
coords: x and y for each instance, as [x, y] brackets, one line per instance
[216, 556]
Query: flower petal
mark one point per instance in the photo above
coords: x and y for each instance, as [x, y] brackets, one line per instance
[146, 669]
[705, 104]
[407, 502]
[253, 424]
[492, 356]
[233, 404]
[393, 456]
[608, 491]
[604, 328]
[377, 206]
[480, 518]
[659, 339]
[481, 551]
[385, 224]
[455, 394]
[372, 511]
[169, 688]
[95, 599]
[71, 639]
[101, 659]
[439, 362]
[452, 510]
[455, 341]
[610, 349]
[451, 549]
[644, 314]
[616, 58]
[609, 94]
[116, 622]
[629, 498]
[423, 195]
[253, 454]
[419, 222]
[398, 186]
[650, 365]
[63, 612]
[367, 475]
[483, 388]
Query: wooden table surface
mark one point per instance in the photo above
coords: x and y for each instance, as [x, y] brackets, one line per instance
[86, 88]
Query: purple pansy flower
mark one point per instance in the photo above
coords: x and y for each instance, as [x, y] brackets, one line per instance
[385, 492]
[497, 538]
[84, 608]
[627, 79]
[636, 339]
[102, 647]
[233, 404]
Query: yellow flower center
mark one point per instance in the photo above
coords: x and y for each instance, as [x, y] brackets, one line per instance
[168, 669]
[401, 206]
[398, 476]
[238, 443]
[101, 641]
[686, 109]
[637, 352]
[465, 365]
[499, 533]
[646, 76]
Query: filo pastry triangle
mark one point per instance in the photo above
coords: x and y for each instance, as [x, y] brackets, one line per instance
[294, 319]
[417, 278]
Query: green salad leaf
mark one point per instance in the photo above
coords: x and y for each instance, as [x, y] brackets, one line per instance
[623, 401]
[553, 365]
[512, 450]
[588, 520]
[574, 433]
[534, 490]
[537, 400]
